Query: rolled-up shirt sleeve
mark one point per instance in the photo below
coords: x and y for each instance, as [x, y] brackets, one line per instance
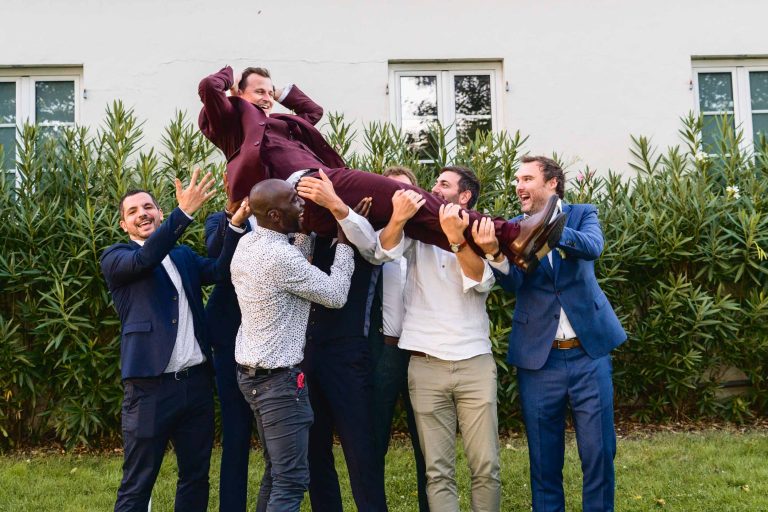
[484, 285]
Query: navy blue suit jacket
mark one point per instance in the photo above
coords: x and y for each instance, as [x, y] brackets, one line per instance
[222, 309]
[146, 300]
[569, 283]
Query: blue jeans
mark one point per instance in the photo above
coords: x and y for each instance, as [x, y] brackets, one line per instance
[284, 415]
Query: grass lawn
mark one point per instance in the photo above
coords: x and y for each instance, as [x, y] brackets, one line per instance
[717, 471]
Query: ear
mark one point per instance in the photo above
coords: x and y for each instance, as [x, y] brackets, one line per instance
[123, 225]
[161, 214]
[552, 184]
[464, 198]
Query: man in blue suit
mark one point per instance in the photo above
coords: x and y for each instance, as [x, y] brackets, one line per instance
[563, 330]
[165, 350]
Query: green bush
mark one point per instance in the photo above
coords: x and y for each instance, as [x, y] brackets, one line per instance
[684, 265]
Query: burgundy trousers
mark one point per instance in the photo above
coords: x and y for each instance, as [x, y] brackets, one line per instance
[352, 186]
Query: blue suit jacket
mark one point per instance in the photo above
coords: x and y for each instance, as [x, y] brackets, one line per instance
[569, 283]
[146, 300]
[222, 310]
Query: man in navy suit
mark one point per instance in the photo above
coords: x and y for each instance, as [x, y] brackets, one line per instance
[165, 351]
[563, 330]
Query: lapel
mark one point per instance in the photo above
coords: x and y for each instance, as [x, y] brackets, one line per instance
[180, 268]
[556, 259]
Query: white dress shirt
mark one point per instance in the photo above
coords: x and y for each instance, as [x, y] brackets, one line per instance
[186, 350]
[275, 285]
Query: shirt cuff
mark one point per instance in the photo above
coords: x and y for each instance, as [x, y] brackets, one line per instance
[482, 286]
[502, 266]
[286, 92]
[236, 229]
[185, 213]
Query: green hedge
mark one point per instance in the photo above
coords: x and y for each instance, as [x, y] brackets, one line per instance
[684, 266]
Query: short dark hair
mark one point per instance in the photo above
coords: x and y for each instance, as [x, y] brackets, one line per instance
[133, 192]
[264, 72]
[398, 170]
[467, 181]
[550, 169]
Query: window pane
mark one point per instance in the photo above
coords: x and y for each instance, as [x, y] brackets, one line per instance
[7, 102]
[466, 129]
[715, 92]
[54, 102]
[418, 96]
[760, 125]
[473, 94]
[758, 87]
[417, 135]
[8, 141]
[711, 133]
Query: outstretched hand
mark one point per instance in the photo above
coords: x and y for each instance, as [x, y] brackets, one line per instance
[192, 197]
[454, 221]
[405, 204]
[320, 191]
[484, 235]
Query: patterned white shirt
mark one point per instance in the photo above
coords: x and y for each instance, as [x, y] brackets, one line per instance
[275, 285]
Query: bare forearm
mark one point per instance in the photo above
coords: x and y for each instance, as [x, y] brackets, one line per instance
[391, 235]
[471, 264]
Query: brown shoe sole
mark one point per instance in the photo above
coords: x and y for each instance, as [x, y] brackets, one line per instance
[545, 242]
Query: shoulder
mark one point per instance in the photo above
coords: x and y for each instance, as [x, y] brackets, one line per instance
[118, 247]
[582, 208]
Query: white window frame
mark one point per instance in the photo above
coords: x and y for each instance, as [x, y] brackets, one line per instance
[26, 78]
[446, 100]
[742, 97]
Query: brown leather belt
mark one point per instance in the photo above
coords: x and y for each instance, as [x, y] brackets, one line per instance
[417, 353]
[566, 344]
[391, 340]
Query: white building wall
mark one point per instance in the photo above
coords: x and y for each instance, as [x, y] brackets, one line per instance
[582, 76]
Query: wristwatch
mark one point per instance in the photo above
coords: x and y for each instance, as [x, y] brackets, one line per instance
[492, 257]
[457, 247]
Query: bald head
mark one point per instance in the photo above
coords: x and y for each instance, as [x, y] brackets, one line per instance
[276, 206]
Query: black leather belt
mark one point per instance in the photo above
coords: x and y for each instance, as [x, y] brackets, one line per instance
[258, 372]
[186, 372]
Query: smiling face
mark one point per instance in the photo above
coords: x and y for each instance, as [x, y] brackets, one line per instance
[259, 91]
[532, 190]
[447, 188]
[140, 216]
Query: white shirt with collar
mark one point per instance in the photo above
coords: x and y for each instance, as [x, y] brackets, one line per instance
[564, 328]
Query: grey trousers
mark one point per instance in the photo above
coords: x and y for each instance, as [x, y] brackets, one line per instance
[444, 393]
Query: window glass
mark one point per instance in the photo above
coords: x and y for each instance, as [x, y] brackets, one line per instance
[54, 102]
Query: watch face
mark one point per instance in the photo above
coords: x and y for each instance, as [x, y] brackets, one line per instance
[489, 257]
[455, 247]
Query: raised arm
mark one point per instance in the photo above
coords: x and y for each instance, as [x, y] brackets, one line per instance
[301, 104]
[586, 240]
[311, 283]
[219, 120]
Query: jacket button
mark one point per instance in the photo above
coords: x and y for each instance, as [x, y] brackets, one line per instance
[309, 336]
[175, 297]
[262, 123]
[557, 316]
[257, 143]
[173, 321]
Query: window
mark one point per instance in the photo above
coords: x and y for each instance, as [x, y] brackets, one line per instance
[736, 88]
[48, 97]
[463, 97]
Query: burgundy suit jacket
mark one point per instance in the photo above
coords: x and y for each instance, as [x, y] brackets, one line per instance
[237, 128]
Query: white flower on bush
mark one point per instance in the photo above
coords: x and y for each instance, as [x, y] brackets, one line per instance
[702, 157]
[732, 191]
[482, 150]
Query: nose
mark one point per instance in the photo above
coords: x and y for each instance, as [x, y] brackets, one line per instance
[434, 189]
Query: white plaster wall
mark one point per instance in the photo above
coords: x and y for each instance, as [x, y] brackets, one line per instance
[582, 76]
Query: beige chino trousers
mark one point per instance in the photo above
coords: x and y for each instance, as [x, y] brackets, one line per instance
[444, 393]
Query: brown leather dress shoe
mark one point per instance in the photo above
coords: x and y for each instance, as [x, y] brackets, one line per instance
[545, 242]
[530, 229]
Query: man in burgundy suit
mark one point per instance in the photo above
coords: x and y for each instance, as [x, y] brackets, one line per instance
[260, 145]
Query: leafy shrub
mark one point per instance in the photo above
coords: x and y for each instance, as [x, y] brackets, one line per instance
[684, 265]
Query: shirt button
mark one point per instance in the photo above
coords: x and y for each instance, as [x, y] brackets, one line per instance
[257, 143]
[173, 321]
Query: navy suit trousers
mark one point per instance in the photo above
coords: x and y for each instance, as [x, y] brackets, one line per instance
[570, 378]
[161, 409]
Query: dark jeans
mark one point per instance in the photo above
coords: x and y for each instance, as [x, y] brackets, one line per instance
[340, 372]
[155, 411]
[283, 414]
[390, 381]
[236, 429]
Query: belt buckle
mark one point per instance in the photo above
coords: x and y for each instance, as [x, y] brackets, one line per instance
[183, 373]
